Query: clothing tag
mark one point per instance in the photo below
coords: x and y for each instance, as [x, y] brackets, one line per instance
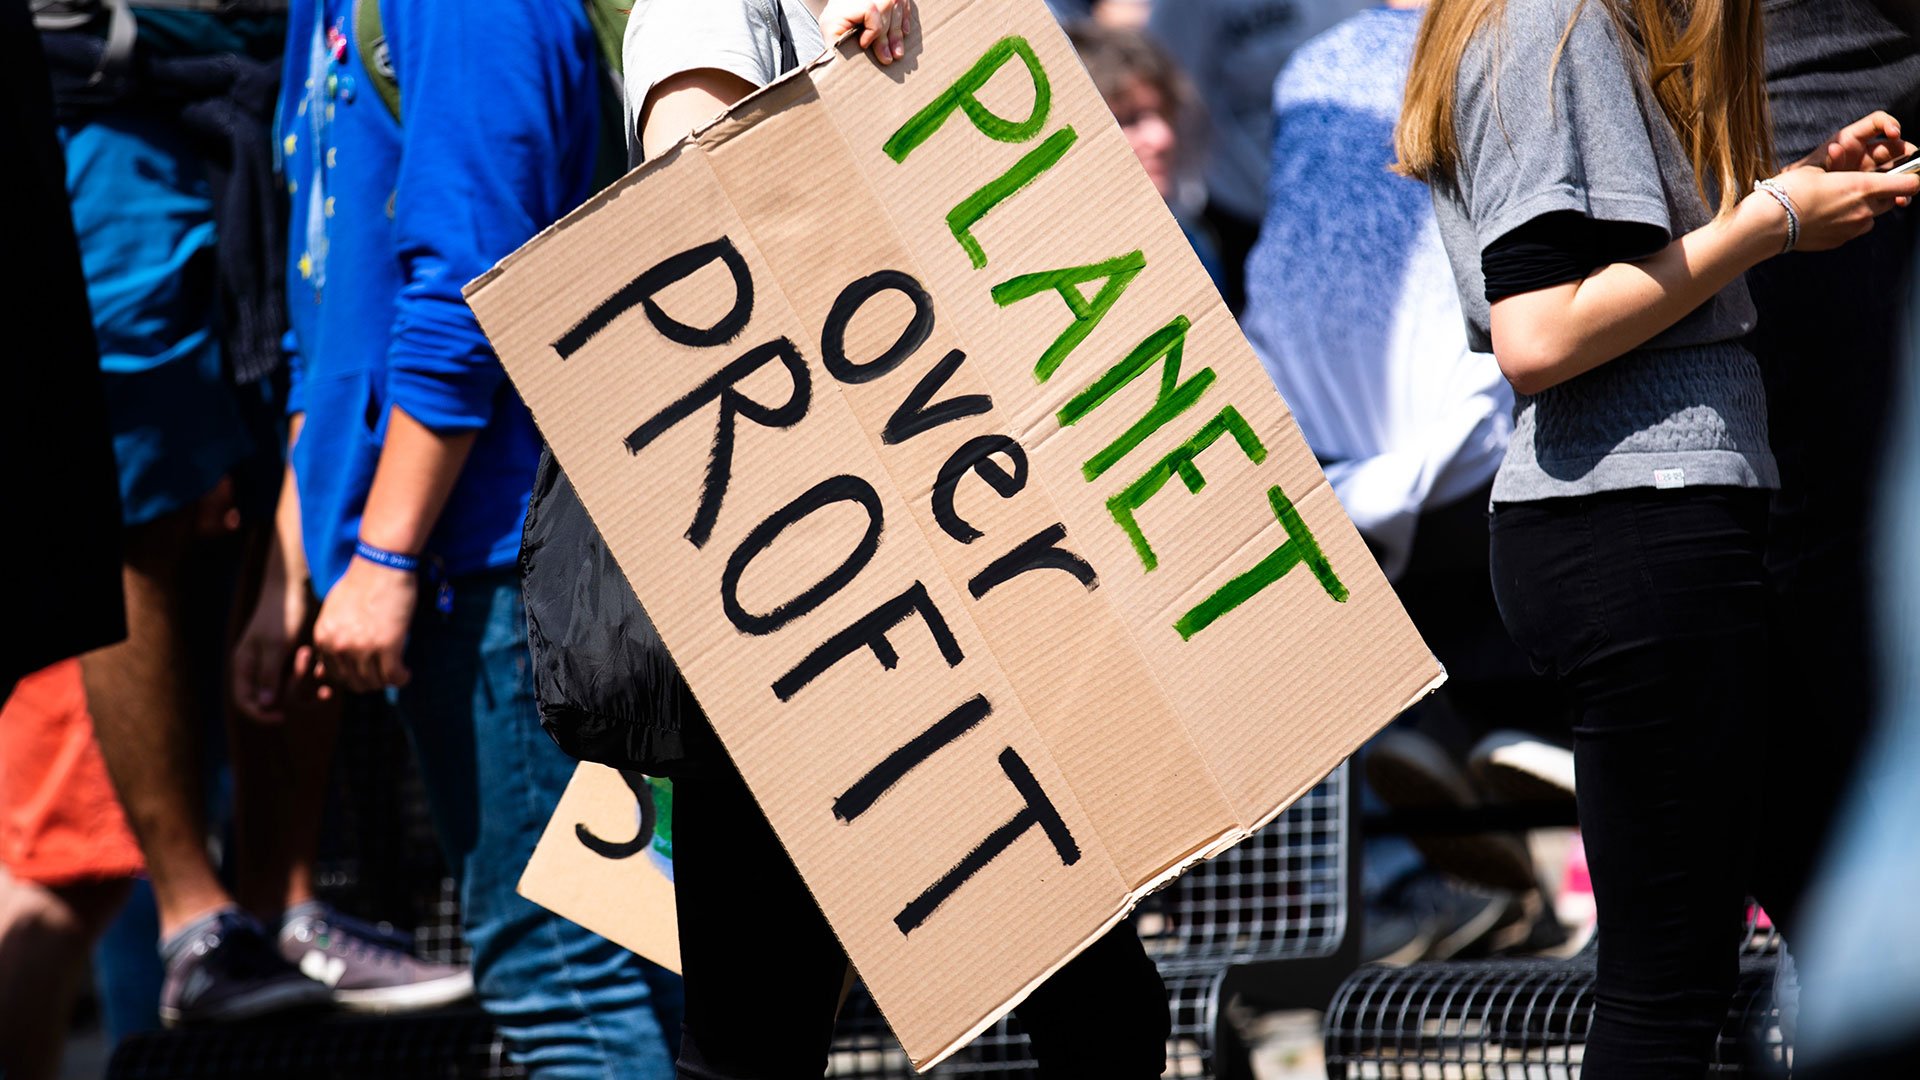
[1669, 478]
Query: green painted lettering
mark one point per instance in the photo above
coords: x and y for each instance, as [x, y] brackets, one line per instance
[1118, 274]
[1300, 548]
[962, 97]
[1136, 494]
[964, 217]
[1174, 398]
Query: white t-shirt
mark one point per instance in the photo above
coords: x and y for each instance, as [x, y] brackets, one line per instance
[667, 37]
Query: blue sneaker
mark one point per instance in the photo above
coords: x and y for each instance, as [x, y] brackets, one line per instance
[365, 968]
[225, 968]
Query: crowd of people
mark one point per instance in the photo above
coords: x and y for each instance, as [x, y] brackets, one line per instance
[1592, 311]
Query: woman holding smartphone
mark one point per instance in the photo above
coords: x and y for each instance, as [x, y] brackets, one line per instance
[1601, 170]
[763, 969]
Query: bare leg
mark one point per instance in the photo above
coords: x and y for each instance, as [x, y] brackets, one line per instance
[144, 719]
[279, 777]
[44, 938]
[280, 788]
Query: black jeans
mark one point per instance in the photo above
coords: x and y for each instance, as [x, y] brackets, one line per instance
[1651, 608]
[764, 971]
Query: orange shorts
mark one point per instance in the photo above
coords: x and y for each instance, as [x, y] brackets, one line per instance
[60, 822]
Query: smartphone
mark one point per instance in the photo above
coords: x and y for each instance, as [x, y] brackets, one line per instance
[1907, 164]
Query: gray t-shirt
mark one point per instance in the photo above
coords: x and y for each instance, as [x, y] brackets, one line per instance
[1688, 407]
[667, 37]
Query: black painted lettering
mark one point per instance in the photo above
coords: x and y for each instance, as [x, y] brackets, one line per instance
[1041, 552]
[833, 339]
[976, 455]
[642, 290]
[610, 849]
[723, 388]
[870, 632]
[643, 835]
[860, 798]
[1039, 811]
[836, 489]
[919, 413]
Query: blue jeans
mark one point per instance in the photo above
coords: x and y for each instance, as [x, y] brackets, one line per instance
[570, 1004]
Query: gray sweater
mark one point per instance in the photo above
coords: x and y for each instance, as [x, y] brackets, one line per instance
[1688, 407]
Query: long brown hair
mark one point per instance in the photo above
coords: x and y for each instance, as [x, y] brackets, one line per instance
[1707, 74]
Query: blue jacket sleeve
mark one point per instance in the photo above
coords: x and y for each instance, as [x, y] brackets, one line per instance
[498, 126]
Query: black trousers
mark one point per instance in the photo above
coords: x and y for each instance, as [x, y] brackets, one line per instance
[1651, 608]
[764, 971]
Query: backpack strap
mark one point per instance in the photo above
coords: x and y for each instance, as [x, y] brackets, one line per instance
[608, 18]
[370, 41]
[789, 57]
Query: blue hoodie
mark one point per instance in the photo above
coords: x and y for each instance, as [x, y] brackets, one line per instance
[495, 141]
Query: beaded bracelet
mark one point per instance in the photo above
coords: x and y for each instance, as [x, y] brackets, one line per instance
[1780, 195]
[391, 559]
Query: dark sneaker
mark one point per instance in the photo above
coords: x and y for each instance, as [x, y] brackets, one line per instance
[225, 968]
[1458, 920]
[366, 968]
[1392, 936]
[1410, 771]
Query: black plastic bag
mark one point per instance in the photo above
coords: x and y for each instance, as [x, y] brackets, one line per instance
[608, 689]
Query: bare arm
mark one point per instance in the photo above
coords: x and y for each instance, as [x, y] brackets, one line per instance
[266, 648]
[417, 471]
[362, 630]
[1545, 337]
[680, 103]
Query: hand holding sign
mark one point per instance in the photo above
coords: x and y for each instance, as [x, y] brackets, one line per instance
[884, 24]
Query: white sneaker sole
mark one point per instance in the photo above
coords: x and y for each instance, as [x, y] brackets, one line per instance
[411, 997]
[1527, 771]
[1482, 924]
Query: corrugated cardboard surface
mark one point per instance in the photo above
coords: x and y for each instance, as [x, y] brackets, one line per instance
[593, 889]
[1153, 746]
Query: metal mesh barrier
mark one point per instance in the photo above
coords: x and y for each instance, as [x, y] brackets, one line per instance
[440, 1046]
[1281, 894]
[1517, 1020]
[379, 859]
[863, 1047]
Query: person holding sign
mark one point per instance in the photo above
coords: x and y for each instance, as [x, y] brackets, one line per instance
[763, 968]
[1601, 261]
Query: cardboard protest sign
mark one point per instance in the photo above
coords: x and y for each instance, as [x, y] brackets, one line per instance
[957, 494]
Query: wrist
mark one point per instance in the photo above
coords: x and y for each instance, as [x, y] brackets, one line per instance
[387, 558]
[1764, 226]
